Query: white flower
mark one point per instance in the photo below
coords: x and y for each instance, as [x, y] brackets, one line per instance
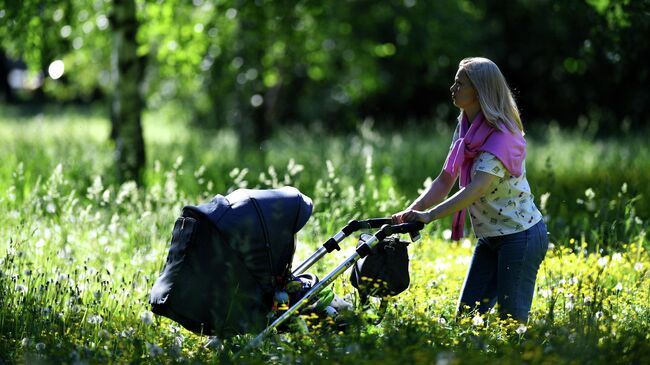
[588, 299]
[21, 288]
[599, 315]
[40, 346]
[95, 319]
[50, 208]
[442, 321]
[97, 294]
[146, 317]
[617, 257]
[154, 350]
[618, 287]
[521, 329]
[602, 262]
[638, 266]
[477, 320]
[446, 234]
[569, 305]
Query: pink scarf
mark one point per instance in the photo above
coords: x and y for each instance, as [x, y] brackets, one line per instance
[509, 148]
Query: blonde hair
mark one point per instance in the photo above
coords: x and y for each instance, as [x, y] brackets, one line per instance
[494, 95]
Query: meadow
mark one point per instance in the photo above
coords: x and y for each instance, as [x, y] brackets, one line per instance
[79, 252]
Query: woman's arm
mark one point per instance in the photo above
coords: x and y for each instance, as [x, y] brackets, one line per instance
[434, 194]
[477, 188]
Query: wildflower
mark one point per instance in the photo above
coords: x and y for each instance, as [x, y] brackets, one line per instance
[97, 294]
[442, 321]
[638, 266]
[127, 333]
[446, 234]
[154, 350]
[50, 208]
[617, 257]
[95, 319]
[146, 317]
[521, 329]
[21, 288]
[588, 299]
[40, 346]
[602, 262]
[599, 315]
[477, 320]
[618, 287]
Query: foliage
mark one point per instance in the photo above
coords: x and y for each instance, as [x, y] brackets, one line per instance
[288, 62]
[80, 252]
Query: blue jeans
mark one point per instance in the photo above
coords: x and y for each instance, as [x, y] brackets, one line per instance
[503, 270]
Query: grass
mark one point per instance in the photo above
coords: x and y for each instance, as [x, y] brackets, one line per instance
[80, 253]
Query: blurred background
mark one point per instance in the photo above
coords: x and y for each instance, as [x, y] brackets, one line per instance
[239, 89]
[271, 63]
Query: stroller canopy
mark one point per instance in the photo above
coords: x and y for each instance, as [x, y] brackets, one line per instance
[260, 225]
[227, 257]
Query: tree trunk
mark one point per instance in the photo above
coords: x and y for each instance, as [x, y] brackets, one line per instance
[126, 104]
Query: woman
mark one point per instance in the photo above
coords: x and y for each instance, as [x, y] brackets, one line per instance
[488, 153]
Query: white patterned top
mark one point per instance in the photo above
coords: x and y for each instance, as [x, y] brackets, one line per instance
[509, 206]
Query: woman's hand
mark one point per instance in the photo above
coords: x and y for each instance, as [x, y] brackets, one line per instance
[412, 215]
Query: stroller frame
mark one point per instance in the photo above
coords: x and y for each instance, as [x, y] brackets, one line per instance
[386, 229]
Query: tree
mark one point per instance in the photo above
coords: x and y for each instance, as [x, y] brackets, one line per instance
[126, 102]
[75, 30]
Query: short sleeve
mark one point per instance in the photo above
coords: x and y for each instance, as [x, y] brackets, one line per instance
[489, 163]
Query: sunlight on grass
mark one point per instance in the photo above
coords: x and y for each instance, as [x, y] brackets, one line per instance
[80, 253]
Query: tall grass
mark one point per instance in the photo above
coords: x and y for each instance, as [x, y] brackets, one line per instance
[79, 253]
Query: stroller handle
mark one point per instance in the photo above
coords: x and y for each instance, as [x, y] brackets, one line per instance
[360, 252]
[386, 225]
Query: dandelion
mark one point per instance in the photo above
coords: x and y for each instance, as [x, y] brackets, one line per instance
[95, 319]
[546, 293]
[97, 294]
[618, 287]
[40, 346]
[146, 317]
[588, 299]
[127, 332]
[446, 234]
[50, 208]
[602, 262]
[154, 350]
[617, 257]
[21, 288]
[599, 315]
[521, 329]
[477, 320]
[638, 266]
[442, 321]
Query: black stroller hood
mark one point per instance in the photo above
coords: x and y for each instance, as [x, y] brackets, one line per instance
[227, 257]
[260, 225]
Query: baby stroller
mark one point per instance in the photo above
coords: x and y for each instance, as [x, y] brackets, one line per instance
[229, 257]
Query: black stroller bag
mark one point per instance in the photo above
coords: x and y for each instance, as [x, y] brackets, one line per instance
[227, 258]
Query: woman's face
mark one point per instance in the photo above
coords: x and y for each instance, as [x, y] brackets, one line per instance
[462, 92]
